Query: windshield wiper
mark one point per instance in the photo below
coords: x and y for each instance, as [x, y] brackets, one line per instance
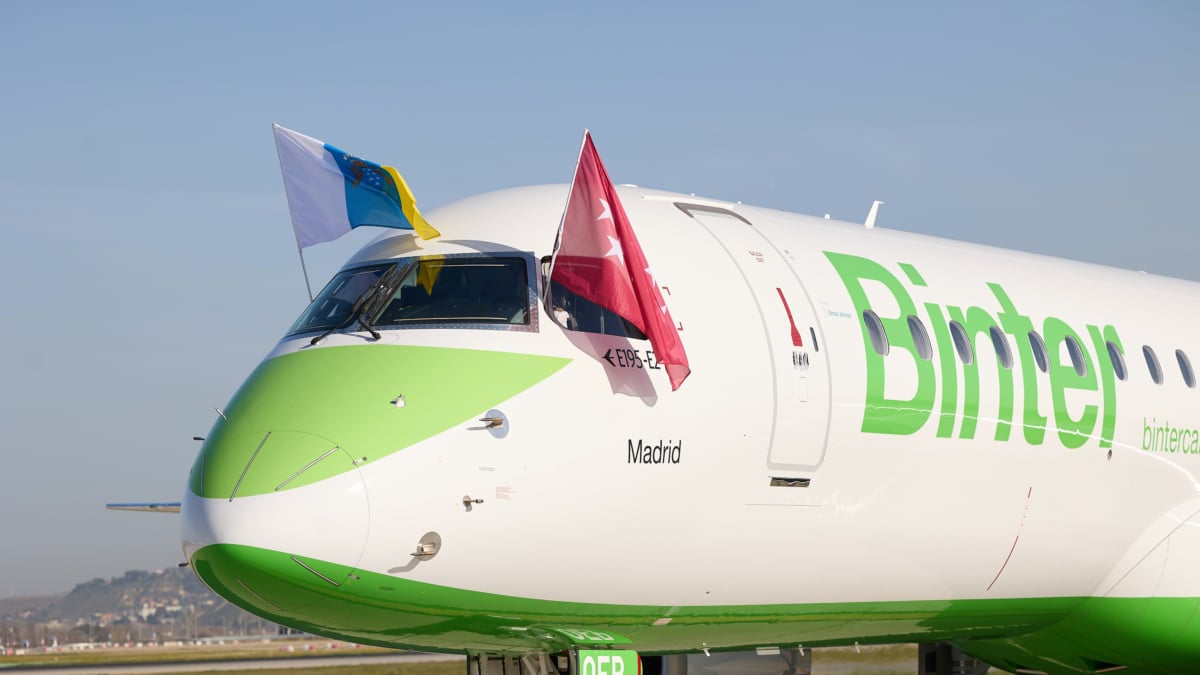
[374, 305]
[369, 303]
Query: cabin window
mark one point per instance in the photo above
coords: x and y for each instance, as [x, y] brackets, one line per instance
[1075, 354]
[875, 330]
[1156, 372]
[962, 343]
[470, 291]
[1118, 361]
[813, 332]
[1000, 342]
[1040, 355]
[920, 338]
[1185, 367]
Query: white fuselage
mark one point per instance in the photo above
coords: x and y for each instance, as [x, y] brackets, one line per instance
[776, 475]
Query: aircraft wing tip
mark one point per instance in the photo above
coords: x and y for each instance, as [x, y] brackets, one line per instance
[159, 507]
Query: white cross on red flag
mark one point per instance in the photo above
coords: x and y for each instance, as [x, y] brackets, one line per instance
[599, 258]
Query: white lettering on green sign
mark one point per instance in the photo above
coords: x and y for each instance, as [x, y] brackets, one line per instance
[612, 662]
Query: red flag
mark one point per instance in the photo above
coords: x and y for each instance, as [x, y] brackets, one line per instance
[599, 258]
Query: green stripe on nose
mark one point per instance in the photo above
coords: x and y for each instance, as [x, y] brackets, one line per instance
[305, 416]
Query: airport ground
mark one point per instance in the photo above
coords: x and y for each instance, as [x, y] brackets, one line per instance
[323, 657]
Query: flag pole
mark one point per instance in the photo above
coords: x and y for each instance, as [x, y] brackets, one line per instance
[570, 192]
[562, 221]
[295, 234]
[304, 269]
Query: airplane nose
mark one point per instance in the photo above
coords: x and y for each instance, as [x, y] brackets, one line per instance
[275, 517]
[261, 461]
[276, 507]
[264, 546]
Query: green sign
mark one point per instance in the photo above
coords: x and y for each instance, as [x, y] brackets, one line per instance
[608, 662]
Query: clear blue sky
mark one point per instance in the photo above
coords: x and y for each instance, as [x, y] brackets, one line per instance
[148, 261]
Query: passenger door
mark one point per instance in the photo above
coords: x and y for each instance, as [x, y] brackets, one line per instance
[800, 374]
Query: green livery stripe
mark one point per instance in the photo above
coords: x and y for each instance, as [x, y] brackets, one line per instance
[305, 416]
[1152, 636]
[391, 611]
[1054, 635]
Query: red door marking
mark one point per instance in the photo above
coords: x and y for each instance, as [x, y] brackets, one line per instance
[795, 333]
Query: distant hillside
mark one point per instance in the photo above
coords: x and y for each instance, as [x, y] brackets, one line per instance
[135, 591]
[164, 596]
[22, 608]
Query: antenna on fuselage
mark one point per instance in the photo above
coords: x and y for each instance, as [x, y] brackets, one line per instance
[870, 223]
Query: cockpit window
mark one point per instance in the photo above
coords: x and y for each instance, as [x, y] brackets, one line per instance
[336, 301]
[460, 290]
[448, 291]
[575, 312]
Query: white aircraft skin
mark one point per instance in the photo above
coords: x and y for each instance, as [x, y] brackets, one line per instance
[775, 499]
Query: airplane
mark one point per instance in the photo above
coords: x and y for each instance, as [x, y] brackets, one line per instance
[885, 438]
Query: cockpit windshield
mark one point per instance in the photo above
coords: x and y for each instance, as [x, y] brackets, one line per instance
[491, 291]
[334, 305]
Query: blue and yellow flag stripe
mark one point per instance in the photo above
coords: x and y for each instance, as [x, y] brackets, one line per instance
[378, 195]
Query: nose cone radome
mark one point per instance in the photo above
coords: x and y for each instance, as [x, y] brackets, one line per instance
[276, 507]
[276, 552]
[254, 506]
[276, 514]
